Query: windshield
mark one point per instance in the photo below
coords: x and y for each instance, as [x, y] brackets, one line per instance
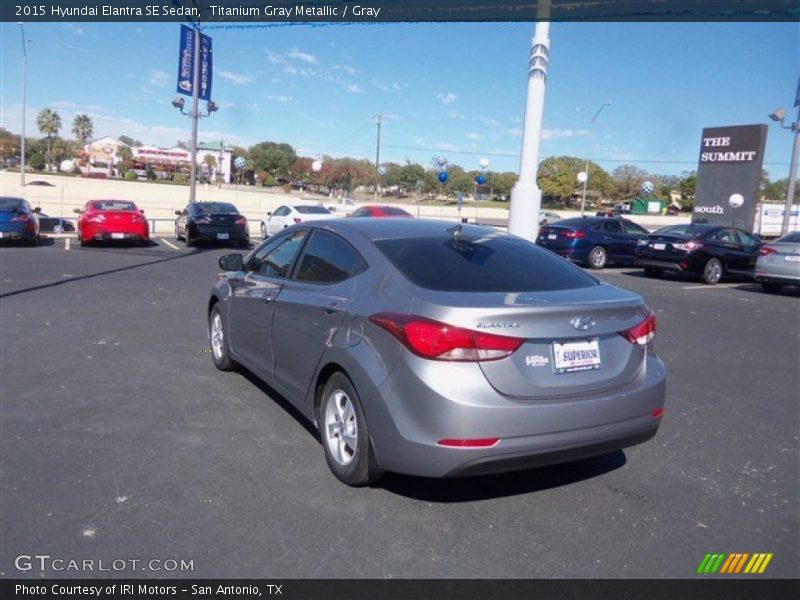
[215, 208]
[685, 229]
[8, 203]
[112, 205]
[481, 264]
[312, 210]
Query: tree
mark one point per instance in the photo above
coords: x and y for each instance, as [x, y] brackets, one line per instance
[49, 123]
[558, 179]
[687, 186]
[9, 144]
[274, 158]
[125, 156]
[37, 161]
[628, 181]
[210, 163]
[408, 175]
[82, 128]
[129, 141]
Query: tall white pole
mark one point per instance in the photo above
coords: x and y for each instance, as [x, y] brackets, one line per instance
[526, 197]
[787, 212]
[195, 114]
[24, 104]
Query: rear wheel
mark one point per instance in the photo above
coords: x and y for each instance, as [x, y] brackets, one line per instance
[713, 271]
[188, 239]
[653, 272]
[218, 340]
[771, 287]
[598, 257]
[345, 436]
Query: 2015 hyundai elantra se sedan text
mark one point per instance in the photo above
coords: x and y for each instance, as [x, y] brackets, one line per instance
[434, 349]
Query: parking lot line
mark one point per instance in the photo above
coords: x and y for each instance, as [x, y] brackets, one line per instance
[710, 287]
[66, 243]
[170, 244]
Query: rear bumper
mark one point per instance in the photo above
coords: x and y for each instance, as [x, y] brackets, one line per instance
[109, 234]
[8, 232]
[414, 410]
[211, 234]
[775, 278]
[653, 263]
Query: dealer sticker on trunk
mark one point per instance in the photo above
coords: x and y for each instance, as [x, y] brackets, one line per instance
[576, 356]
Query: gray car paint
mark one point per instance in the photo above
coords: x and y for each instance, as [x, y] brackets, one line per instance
[286, 332]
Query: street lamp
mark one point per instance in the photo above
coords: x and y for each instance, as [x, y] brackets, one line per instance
[24, 102]
[588, 148]
[779, 115]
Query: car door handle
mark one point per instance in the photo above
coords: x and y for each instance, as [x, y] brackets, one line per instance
[332, 308]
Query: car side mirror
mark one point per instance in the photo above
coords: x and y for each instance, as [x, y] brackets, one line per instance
[179, 213]
[141, 210]
[37, 210]
[77, 211]
[269, 214]
[231, 262]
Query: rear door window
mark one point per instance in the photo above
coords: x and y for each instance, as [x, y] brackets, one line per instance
[490, 263]
[328, 259]
[610, 227]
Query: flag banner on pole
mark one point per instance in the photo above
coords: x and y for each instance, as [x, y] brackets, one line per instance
[186, 64]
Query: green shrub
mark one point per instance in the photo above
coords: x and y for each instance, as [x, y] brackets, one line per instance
[131, 176]
[179, 178]
[37, 161]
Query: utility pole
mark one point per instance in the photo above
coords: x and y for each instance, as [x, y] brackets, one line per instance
[378, 145]
[195, 113]
[787, 212]
[526, 197]
[588, 149]
[24, 103]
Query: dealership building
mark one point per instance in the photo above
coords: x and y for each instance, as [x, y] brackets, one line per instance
[103, 156]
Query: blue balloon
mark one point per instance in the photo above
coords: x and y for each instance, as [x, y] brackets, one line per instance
[443, 176]
[480, 180]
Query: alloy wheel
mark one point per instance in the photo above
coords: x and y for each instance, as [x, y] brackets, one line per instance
[341, 427]
[217, 336]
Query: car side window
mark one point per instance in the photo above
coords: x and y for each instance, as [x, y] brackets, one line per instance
[724, 235]
[328, 259]
[281, 212]
[632, 228]
[276, 258]
[746, 239]
[359, 212]
[611, 227]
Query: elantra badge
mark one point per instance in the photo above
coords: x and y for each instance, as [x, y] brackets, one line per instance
[583, 322]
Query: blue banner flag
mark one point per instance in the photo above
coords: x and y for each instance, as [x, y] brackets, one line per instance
[797, 95]
[186, 64]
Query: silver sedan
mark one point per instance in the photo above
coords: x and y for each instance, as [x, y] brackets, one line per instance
[778, 263]
[434, 349]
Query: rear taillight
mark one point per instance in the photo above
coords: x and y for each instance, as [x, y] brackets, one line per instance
[688, 246]
[543, 231]
[25, 217]
[241, 221]
[202, 220]
[643, 333]
[474, 443]
[440, 341]
[96, 218]
[766, 250]
[138, 219]
[297, 220]
[572, 235]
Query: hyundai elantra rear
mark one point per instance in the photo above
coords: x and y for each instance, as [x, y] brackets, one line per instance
[434, 349]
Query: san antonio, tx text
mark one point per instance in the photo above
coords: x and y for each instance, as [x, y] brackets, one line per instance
[130, 589]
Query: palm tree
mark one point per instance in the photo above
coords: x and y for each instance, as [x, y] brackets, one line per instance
[210, 163]
[49, 123]
[83, 128]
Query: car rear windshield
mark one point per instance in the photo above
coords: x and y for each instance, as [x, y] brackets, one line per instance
[312, 210]
[7, 203]
[216, 208]
[481, 264]
[686, 229]
[113, 205]
[792, 238]
[394, 211]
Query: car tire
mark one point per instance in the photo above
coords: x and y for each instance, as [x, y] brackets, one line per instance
[771, 287]
[82, 241]
[713, 271]
[263, 231]
[218, 340]
[598, 257]
[345, 434]
[188, 240]
[177, 233]
[653, 272]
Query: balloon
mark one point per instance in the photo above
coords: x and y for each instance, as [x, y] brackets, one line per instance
[484, 162]
[67, 166]
[648, 187]
[239, 162]
[316, 166]
[443, 176]
[480, 180]
[582, 177]
[736, 200]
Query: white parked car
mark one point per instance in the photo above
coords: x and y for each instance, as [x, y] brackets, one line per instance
[286, 215]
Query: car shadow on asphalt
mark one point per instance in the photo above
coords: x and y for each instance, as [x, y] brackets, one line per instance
[485, 487]
[43, 241]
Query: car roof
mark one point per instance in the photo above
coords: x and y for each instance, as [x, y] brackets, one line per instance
[584, 221]
[385, 229]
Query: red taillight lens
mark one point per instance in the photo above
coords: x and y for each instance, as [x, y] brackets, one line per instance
[202, 220]
[241, 221]
[439, 341]
[543, 231]
[477, 443]
[765, 250]
[297, 220]
[643, 333]
[25, 217]
[96, 218]
[574, 234]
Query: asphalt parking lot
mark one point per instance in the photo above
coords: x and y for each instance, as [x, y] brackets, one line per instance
[119, 439]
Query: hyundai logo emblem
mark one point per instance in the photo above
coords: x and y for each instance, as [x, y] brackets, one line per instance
[583, 322]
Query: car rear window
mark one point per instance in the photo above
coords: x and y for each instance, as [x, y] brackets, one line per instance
[792, 238]
[312, 210]
[113, 205]
[394, 211]
[481, 264]
[7, 203]
[216, 208]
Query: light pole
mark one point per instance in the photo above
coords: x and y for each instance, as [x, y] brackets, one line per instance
[779, 116]
[24, 103]
[588, 149]
[195, 115]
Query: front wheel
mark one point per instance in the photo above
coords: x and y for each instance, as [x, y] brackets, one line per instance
[598, 257]
[218, 340]
[345, 436]
[712, 272]
[771, 287]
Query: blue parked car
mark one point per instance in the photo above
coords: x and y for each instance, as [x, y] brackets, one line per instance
[18, 221]
[593, 241]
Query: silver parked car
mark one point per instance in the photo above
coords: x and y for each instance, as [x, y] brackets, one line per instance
[778, 263]
[434, 349]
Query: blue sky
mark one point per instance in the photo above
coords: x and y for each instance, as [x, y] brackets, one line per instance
[453, 89]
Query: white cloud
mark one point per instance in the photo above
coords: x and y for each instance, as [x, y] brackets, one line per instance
[158, 77]
[352, 88]
[455, 115]
[275, 59]
[279, 98]
[236, 78]
[516, 132]
[346, 68]
[558, 134]
[472, 135]
[490, 122]
[447, 98]
[75, 30]
[303, 56]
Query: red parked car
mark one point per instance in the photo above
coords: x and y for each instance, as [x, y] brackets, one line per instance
[107, 220]
[375, 210]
